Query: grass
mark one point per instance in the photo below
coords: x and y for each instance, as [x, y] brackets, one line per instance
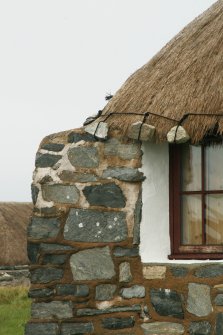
[14, 310]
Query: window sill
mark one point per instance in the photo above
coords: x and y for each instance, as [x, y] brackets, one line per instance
[197, 256]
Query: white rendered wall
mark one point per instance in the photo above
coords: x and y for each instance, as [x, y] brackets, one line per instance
[155, 239]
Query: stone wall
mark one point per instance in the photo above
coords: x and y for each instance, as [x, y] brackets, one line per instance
[83, 242]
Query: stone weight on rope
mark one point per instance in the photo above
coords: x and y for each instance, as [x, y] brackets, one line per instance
[146, 134]
[98, 129]
[177, 134]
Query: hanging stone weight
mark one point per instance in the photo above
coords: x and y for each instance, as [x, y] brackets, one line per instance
[98, 129]
[177, 134]
[146, 133]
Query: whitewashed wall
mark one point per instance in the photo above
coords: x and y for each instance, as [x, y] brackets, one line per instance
[155, 239]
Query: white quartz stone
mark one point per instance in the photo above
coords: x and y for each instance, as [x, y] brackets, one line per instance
[178, 135]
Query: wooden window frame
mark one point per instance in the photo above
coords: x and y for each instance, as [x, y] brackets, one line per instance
[179, 251]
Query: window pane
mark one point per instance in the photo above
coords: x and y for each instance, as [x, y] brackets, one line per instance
[214, 219]
[191, 168]
[191, 232]
[214, 167]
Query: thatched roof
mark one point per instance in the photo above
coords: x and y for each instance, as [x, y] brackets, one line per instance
[14, 218]
[186, 76]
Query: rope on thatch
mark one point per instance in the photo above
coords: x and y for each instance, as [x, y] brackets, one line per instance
[143, 121]
[147, 114]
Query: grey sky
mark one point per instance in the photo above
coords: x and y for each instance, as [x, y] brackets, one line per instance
[58, 60]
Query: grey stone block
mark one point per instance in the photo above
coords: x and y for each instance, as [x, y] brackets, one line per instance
[125, 275]
[162, 328]
[91, 264]
[92, 311]
[54, 247]
[219, 324]
[136, 291]
[57, 147]
[34, 193]
[40, 293]
[118, 323]
[46, 275]
[137, 219]
[55, 259]
[105, 291]
[219, 300]
[179, 271]
[41, 329]
[199, 300]
[48, 211]
[210, 271]
[33, 252]
[106, 195]
[167, 303]
[51, 310]
[64, 194]
[46, 160]
[84, 225]
[77, 177]
[86, 157]
[126, 252]
[76, 137]
[123, 174]
[113, 147]
[200, 328]
[77, 328]
[75, 290]
[43, 227]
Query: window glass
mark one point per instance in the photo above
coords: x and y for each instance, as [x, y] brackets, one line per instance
[214, 219]
[191, 214]
[191, 168]
[214, 168]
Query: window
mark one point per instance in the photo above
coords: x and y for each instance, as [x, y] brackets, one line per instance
[196, 201]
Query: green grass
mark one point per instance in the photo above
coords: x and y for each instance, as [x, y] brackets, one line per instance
[14, 310]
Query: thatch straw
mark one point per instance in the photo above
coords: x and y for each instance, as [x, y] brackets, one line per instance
[186, 76]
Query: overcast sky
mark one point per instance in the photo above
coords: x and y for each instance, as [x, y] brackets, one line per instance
[58, 59]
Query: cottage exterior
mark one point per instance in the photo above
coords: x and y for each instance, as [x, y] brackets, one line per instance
[126, 235]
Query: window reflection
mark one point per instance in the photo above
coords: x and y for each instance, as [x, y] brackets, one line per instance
[191, 168]
[214, 168]
[214, 219]
[191, 220]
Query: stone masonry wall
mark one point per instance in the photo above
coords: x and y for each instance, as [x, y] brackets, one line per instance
[83, 243]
